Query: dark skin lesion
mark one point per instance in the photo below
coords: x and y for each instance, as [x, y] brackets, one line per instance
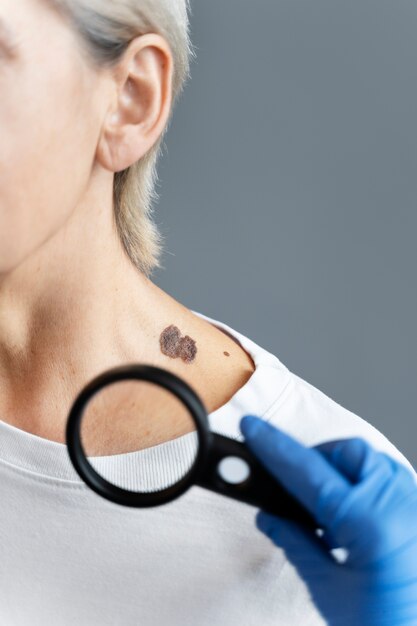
[174, 345]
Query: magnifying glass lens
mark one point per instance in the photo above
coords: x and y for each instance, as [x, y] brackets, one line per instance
[138, 436]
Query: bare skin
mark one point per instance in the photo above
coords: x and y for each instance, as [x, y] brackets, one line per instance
[72, 304]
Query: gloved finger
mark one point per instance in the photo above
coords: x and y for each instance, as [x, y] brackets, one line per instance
[368, 469]
[354, 457]
[303, 471]
[302, 547]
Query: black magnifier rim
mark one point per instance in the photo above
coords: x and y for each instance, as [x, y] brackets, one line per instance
[165, 379]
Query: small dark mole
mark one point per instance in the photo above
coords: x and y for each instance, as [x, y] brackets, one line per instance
[226, 354]
[175, 346]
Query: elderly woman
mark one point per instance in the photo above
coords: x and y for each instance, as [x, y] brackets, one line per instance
[88, 88]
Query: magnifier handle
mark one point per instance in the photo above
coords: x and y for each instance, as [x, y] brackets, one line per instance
[260, 489]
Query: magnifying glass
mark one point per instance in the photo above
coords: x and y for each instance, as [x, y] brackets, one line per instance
[116, 438]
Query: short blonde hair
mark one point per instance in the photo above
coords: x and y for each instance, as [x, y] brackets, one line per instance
[105, 29]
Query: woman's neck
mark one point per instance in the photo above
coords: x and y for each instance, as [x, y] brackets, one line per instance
[74, 308]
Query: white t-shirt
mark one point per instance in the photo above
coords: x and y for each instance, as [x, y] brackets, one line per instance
[69, 557]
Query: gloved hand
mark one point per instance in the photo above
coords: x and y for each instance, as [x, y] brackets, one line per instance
[364, 501]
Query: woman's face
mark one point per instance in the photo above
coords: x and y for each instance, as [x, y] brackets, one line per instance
[50, 116]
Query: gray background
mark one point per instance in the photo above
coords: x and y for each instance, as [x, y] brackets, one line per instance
[288, 193]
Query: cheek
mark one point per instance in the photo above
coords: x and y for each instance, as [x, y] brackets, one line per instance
[46, 155]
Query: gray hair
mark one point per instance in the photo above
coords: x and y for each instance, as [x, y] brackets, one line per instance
[105, 29]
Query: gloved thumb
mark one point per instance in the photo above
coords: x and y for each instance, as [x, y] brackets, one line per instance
[304, 549]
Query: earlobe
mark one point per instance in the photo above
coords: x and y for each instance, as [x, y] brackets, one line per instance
[140, 112]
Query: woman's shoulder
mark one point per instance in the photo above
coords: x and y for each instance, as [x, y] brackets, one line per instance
[313, 417]
[224, 365]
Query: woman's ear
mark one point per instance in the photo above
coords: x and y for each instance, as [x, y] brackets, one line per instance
[142, 99]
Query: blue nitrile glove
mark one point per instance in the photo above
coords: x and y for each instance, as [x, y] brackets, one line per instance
[365, 502]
